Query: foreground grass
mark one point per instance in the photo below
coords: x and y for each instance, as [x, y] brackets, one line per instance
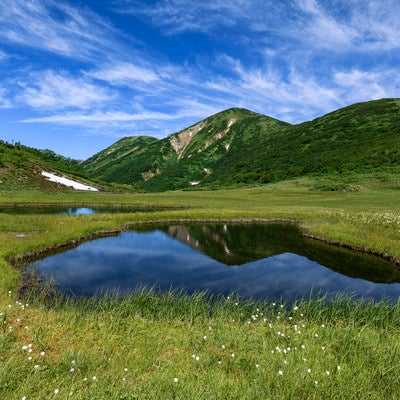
[171, 346]
[147, 346]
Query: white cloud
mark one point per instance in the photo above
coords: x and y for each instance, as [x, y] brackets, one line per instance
[124, 73]
[54, 26]
[109, 116]
[51, 90]
[338, 25]
[360, 85]
[5, 102]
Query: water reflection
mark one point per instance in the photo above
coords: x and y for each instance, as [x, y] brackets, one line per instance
[258, 261]
[65, 210]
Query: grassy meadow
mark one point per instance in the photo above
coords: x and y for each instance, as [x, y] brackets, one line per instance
[171, 346]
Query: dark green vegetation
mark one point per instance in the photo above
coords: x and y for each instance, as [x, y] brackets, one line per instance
[21, 167]
[238, 146]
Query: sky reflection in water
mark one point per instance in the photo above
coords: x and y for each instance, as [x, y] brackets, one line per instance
[187, 258]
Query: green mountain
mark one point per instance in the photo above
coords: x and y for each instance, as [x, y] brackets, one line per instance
[21, 168]
[186, 158]
[240, 146]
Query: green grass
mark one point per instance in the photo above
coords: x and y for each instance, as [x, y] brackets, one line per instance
[155, 336]
[170, 346]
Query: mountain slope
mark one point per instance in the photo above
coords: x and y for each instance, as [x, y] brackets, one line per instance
[21, 168]
[187, 157]
[240, 146]
[361, 137]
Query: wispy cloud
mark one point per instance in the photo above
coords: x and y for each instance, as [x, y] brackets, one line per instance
[55, 27]
[358, 85]
[124, 73]
[4, 99]
[337, 25]
[110, 116]
[51, 90]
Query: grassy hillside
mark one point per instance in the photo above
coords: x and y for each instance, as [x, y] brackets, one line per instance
[21, 167]
[239, 146]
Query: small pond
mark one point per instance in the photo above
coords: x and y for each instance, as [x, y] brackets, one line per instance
[66, 210]
[261, 261]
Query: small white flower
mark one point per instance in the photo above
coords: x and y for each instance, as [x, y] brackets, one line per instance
[233, 355]
[56, 391]
[338, 367]
[309, 370]
[126, 369]
[176, 380]
[94, 378]
[280, 372]
[327, 373]
[197, 358]
[42, 353]
[72, 370]
[223, 347]
[257, 365]
[36, 366]
[204, 337]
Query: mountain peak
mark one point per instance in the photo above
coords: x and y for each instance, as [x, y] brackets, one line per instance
[241, 146]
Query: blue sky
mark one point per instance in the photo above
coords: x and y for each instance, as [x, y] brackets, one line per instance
[78, 75]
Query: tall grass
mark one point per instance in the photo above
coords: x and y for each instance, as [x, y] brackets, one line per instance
[165, 346]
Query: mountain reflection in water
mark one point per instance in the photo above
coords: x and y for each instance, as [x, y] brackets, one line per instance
[254, 260]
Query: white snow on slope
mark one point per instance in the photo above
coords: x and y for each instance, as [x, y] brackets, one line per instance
[68, 182]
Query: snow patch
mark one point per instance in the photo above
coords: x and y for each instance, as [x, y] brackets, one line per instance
[68, 182]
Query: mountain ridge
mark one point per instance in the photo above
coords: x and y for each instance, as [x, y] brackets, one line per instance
[233, 147]
[238, 146]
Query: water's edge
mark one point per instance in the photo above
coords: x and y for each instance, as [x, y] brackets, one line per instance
[20, 259]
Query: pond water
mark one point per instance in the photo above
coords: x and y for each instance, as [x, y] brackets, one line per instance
[65, 210]
[261, 261]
